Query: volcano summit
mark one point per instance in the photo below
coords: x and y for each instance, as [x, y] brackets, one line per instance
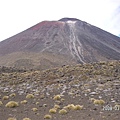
[55, 43]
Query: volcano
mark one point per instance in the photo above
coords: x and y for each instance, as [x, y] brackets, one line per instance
[55, 43]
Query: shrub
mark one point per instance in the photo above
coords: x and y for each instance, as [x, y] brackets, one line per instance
[56, 106]
[11, 118]
[53, 110]
[23, 102]
[63, 112]
[70, 107]
[34, 109]
[47, 117]
[12, 95]
[37, 103]
[57, 97]
[26, 119]
[99, 102]
[1, 103]
[12, 104]
[30, 96]
[5, 98]
[62, 99]
[78, 107]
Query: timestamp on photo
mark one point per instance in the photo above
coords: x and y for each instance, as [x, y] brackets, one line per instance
[110, 107]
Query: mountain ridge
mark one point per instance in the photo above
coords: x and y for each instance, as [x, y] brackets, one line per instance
[66, 41]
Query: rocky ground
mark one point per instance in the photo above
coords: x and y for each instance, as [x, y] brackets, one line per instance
[81, 92]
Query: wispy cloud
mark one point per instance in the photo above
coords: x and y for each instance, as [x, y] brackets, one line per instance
[113, 24]
[115, 19]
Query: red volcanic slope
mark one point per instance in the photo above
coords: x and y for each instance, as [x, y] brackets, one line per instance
[47, 24]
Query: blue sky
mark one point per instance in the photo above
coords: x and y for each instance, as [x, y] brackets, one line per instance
[18, 15]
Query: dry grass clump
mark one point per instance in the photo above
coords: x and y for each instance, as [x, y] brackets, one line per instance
[5, 98]
[37, 103]
[30, 96]
[70, 107]
[1, 103]
[56, 106]
[47, 116]
[34, 109]
[63, 112]
[26, 119]
[53, 110]
[24, 102]
[11, 118]
[12, 95]
[78, 107]
[57, 97]
[62, 99]
[12, 104]
[73, 107]
[99, 102]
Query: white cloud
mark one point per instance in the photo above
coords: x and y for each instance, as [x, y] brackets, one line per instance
[18, 15]
[111, 24]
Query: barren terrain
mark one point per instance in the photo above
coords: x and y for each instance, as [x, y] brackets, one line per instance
[79, 92]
